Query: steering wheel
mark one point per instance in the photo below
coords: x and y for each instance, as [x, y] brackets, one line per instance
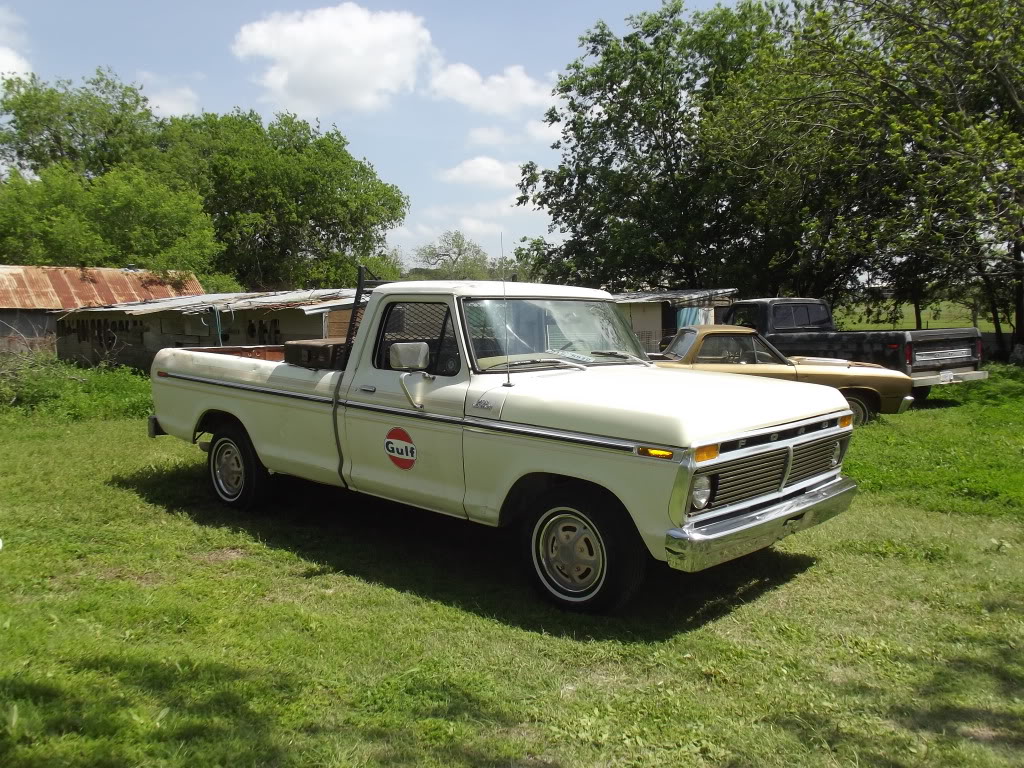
[571, 344]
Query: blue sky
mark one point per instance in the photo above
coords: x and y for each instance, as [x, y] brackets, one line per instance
[445, 99]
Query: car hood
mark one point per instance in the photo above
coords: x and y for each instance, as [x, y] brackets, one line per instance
[665, 407]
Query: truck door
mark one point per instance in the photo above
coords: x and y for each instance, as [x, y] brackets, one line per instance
[400, 449]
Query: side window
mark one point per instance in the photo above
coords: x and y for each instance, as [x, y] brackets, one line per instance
[816, 315]
[721, 349]
[762, 353]
[799, 316]
[745, 314]
[413, 321]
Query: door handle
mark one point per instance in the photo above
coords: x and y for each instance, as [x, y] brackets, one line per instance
[367, 388]
[405, 387]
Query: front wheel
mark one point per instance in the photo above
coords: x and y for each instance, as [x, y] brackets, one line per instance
[583, 552]
[863, 412]
[236, 473]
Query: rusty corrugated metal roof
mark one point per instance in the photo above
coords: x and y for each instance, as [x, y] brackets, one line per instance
[73, 287]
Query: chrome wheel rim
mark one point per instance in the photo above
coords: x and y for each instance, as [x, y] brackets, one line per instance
[569, 553]
[228, 469]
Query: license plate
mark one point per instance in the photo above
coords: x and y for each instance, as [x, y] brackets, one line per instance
[945, 377]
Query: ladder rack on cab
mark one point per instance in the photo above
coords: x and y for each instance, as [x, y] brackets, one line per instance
[333, 353]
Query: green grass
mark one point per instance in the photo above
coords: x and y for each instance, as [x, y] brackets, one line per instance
[141, 624]
[943, 314]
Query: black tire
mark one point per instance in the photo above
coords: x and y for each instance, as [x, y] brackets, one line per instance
[862, 407]
[921, 393]
[601, 560]
[236, 474]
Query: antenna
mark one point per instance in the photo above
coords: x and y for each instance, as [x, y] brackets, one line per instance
[504, 298]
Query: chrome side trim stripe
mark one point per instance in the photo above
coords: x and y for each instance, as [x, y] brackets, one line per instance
[403, 412]
[576, 438]
[251, 388]
[550, 434]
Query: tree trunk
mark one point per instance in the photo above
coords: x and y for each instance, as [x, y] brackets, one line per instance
[993, 304]
[1018, 292]
[917, 313]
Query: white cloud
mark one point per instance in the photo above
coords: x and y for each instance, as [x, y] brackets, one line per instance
[338, 57]
[481, 209]
[503, 94]
[11, 39]
[166, 99]
[174, 101]
[538, 130]
[13, 63]
[483, 171]
[473, 226]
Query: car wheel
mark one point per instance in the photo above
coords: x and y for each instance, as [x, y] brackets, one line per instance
[863, 412]
[236, 473]
[921, 393]
[582, 550]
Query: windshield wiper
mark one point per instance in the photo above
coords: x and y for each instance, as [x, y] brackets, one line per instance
[536, 360]
[619, 353]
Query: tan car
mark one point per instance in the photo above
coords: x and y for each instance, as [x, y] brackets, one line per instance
[869, 389]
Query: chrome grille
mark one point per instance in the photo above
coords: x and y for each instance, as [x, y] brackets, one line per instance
[752, 476]
[810, 459]
[742, 479]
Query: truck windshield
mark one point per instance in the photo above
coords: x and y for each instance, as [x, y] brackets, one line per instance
[586, 332]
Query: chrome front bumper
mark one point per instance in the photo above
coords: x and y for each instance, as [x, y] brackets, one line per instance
[693, 548]
[905, 403]
[951, 377]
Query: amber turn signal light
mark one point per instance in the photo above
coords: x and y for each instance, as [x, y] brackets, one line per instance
[845, 421]
[706, 453]
[654, 453]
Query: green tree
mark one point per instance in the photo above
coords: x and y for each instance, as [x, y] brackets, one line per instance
[827, 148]
[290, 204]
[90, 128]
[125, 216]
[949, 75]
[640, 204]
[453, 256]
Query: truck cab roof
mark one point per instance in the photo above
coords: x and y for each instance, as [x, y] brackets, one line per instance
[490, 289]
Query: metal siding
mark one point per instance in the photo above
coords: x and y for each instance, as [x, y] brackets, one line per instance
[73, 287]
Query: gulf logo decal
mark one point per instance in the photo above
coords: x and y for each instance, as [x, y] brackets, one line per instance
[400, 448]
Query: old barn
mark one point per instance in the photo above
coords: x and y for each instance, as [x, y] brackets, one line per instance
[32, 299]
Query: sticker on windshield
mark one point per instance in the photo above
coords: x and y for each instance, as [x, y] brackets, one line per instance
[570, 355]
[400, 448]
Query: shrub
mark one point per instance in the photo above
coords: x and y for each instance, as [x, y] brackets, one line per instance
[37, 382]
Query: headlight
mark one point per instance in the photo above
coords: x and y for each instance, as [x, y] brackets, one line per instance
[701, 493]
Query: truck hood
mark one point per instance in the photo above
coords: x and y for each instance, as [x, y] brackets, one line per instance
[661, 406]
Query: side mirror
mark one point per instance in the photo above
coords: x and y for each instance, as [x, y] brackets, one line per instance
[410, 356]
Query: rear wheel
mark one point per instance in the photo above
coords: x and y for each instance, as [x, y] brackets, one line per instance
[582, 550]
[863, 409]
[921, 393]
[236, 473]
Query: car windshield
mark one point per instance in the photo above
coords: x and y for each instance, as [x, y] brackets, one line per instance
[543, 331]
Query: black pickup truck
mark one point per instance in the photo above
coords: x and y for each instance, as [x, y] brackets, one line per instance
[805, 327]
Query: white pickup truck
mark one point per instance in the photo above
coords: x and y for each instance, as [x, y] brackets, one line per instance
[521, 405]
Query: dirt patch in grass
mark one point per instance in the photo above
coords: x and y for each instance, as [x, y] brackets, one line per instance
[224, 555]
